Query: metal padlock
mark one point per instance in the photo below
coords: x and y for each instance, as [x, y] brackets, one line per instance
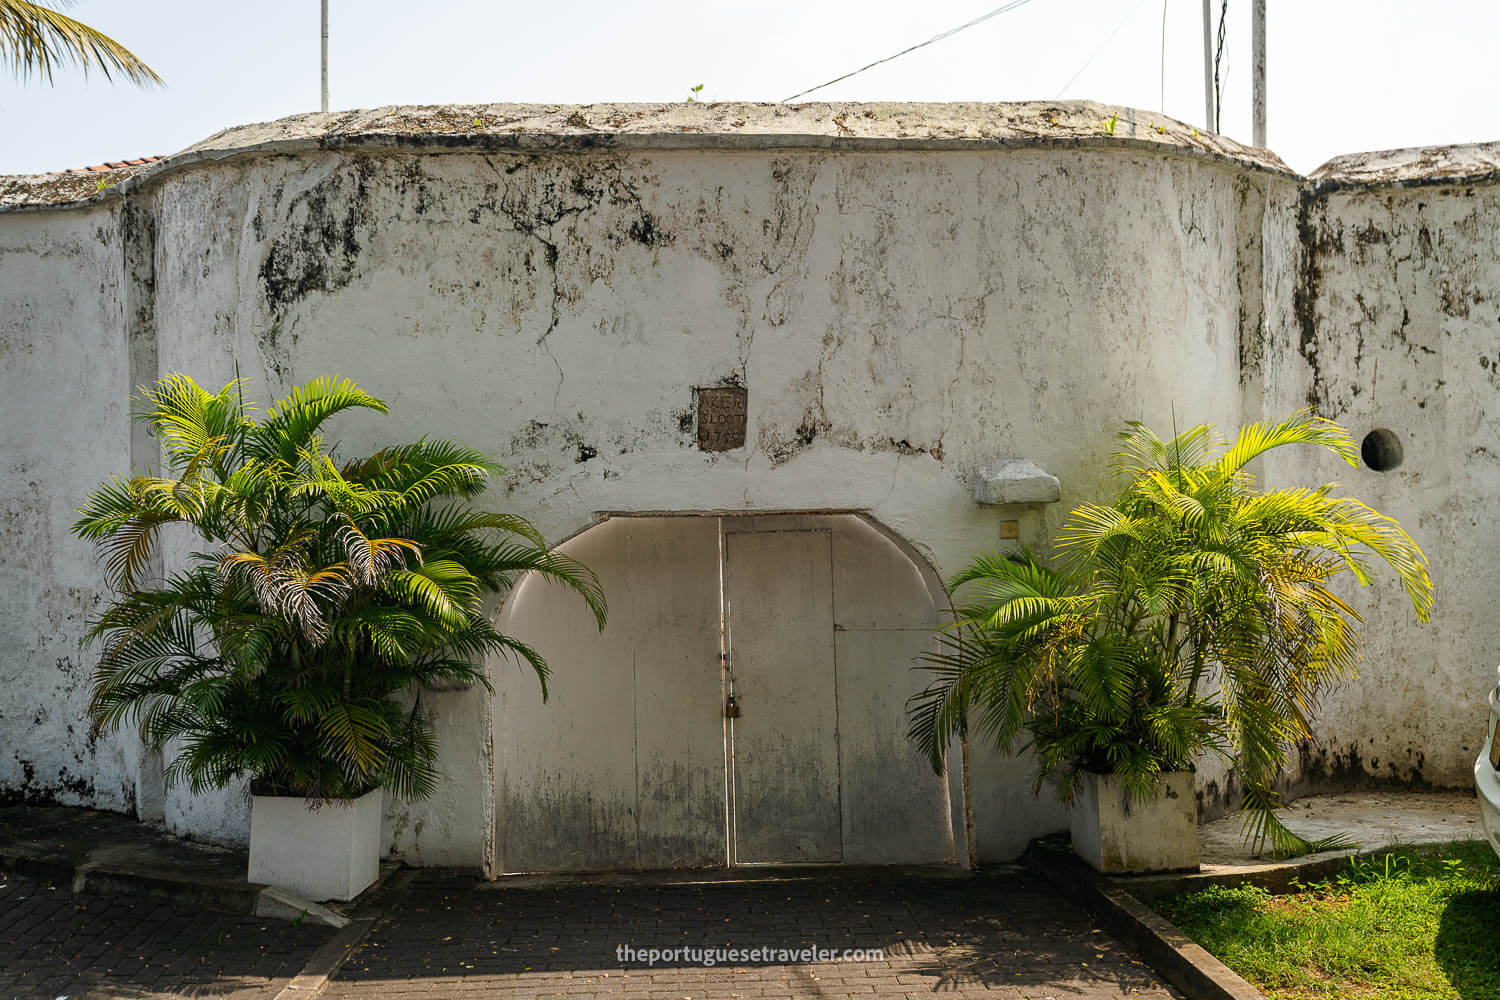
[731, 708]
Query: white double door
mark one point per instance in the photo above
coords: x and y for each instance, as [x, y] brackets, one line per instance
[634, 763]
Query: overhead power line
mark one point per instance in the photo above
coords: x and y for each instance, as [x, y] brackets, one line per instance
[920, 45]
[1218, 59]
[1089, 61]
[1163, 80]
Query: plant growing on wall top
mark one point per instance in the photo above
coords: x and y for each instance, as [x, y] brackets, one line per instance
[325, 596]
[1193, 613]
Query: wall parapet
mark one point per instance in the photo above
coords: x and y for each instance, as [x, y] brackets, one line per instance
[748, 126]
[728, 126]
[1418, 166]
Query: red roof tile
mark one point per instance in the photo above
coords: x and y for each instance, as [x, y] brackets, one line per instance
[112, 165]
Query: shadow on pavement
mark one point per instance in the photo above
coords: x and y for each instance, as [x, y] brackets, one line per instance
[56, 944]
[955, 935]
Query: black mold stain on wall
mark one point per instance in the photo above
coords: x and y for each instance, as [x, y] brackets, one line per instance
[319, 249]
[48, 791]
[1337, 769]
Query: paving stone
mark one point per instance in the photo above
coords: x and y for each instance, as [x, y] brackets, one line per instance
[90, 947]
[1008, 936]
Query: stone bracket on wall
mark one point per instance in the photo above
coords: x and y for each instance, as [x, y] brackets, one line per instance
[1015, 480]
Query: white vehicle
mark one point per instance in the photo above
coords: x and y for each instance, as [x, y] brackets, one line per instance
[1487, 774]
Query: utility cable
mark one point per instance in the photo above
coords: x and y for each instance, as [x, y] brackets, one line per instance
[1100, 49]
[1218, 85]
[935, 38]
[1163, 50]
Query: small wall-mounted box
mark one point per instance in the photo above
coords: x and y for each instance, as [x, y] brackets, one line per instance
[1015, 480]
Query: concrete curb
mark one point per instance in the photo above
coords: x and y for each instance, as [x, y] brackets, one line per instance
[1171, 953]
[328, 959]
[1275, 877]
[181, 887]
[717, 876]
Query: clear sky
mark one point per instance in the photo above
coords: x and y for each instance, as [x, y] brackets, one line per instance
[1343, 76]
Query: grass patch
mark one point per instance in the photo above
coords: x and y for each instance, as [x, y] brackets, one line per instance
[1416, 924]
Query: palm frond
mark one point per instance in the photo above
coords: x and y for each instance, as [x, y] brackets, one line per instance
[399, 469]
[1195, 614]
[1142, 452]
[1301, 427]
[371, 560]
[194, 425]
[36, 40]
[514, 649]
[1261, 826]
[293, 422]
[441, 588]
[555, 567]
[433, 527]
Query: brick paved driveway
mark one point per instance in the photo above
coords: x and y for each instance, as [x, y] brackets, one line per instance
[55, 944]
[1006, 937]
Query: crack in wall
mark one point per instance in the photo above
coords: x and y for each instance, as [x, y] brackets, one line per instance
[581, 190]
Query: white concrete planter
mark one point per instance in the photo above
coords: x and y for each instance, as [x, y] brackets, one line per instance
[328, 849]
[1115, 834]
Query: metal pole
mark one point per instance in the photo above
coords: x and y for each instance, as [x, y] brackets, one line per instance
[1208, 65]
[1258, 68]
[325, 54]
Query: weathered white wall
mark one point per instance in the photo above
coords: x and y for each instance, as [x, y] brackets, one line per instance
[1400, 329]
[64, 361]
[898, 320]
[899, 314]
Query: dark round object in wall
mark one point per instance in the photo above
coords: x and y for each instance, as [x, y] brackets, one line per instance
[1381, 450]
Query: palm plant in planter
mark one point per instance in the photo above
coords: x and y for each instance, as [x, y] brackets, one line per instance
[293, 648]
[1194, 613]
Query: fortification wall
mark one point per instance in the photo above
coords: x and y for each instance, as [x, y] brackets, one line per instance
[905, 292]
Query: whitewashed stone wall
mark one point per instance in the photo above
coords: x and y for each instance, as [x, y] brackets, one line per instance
[1398, 328]
[907, 293]
[66, 369]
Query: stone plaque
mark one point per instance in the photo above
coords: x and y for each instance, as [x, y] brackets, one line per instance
[721, 418]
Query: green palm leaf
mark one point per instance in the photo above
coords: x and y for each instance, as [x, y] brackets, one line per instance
[441, 588]
[36, 40]
[291, 424]
[1195, 616]
[328, 594]
[1301, 427]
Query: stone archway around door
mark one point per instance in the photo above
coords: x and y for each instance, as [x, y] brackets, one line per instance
[813, 622]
